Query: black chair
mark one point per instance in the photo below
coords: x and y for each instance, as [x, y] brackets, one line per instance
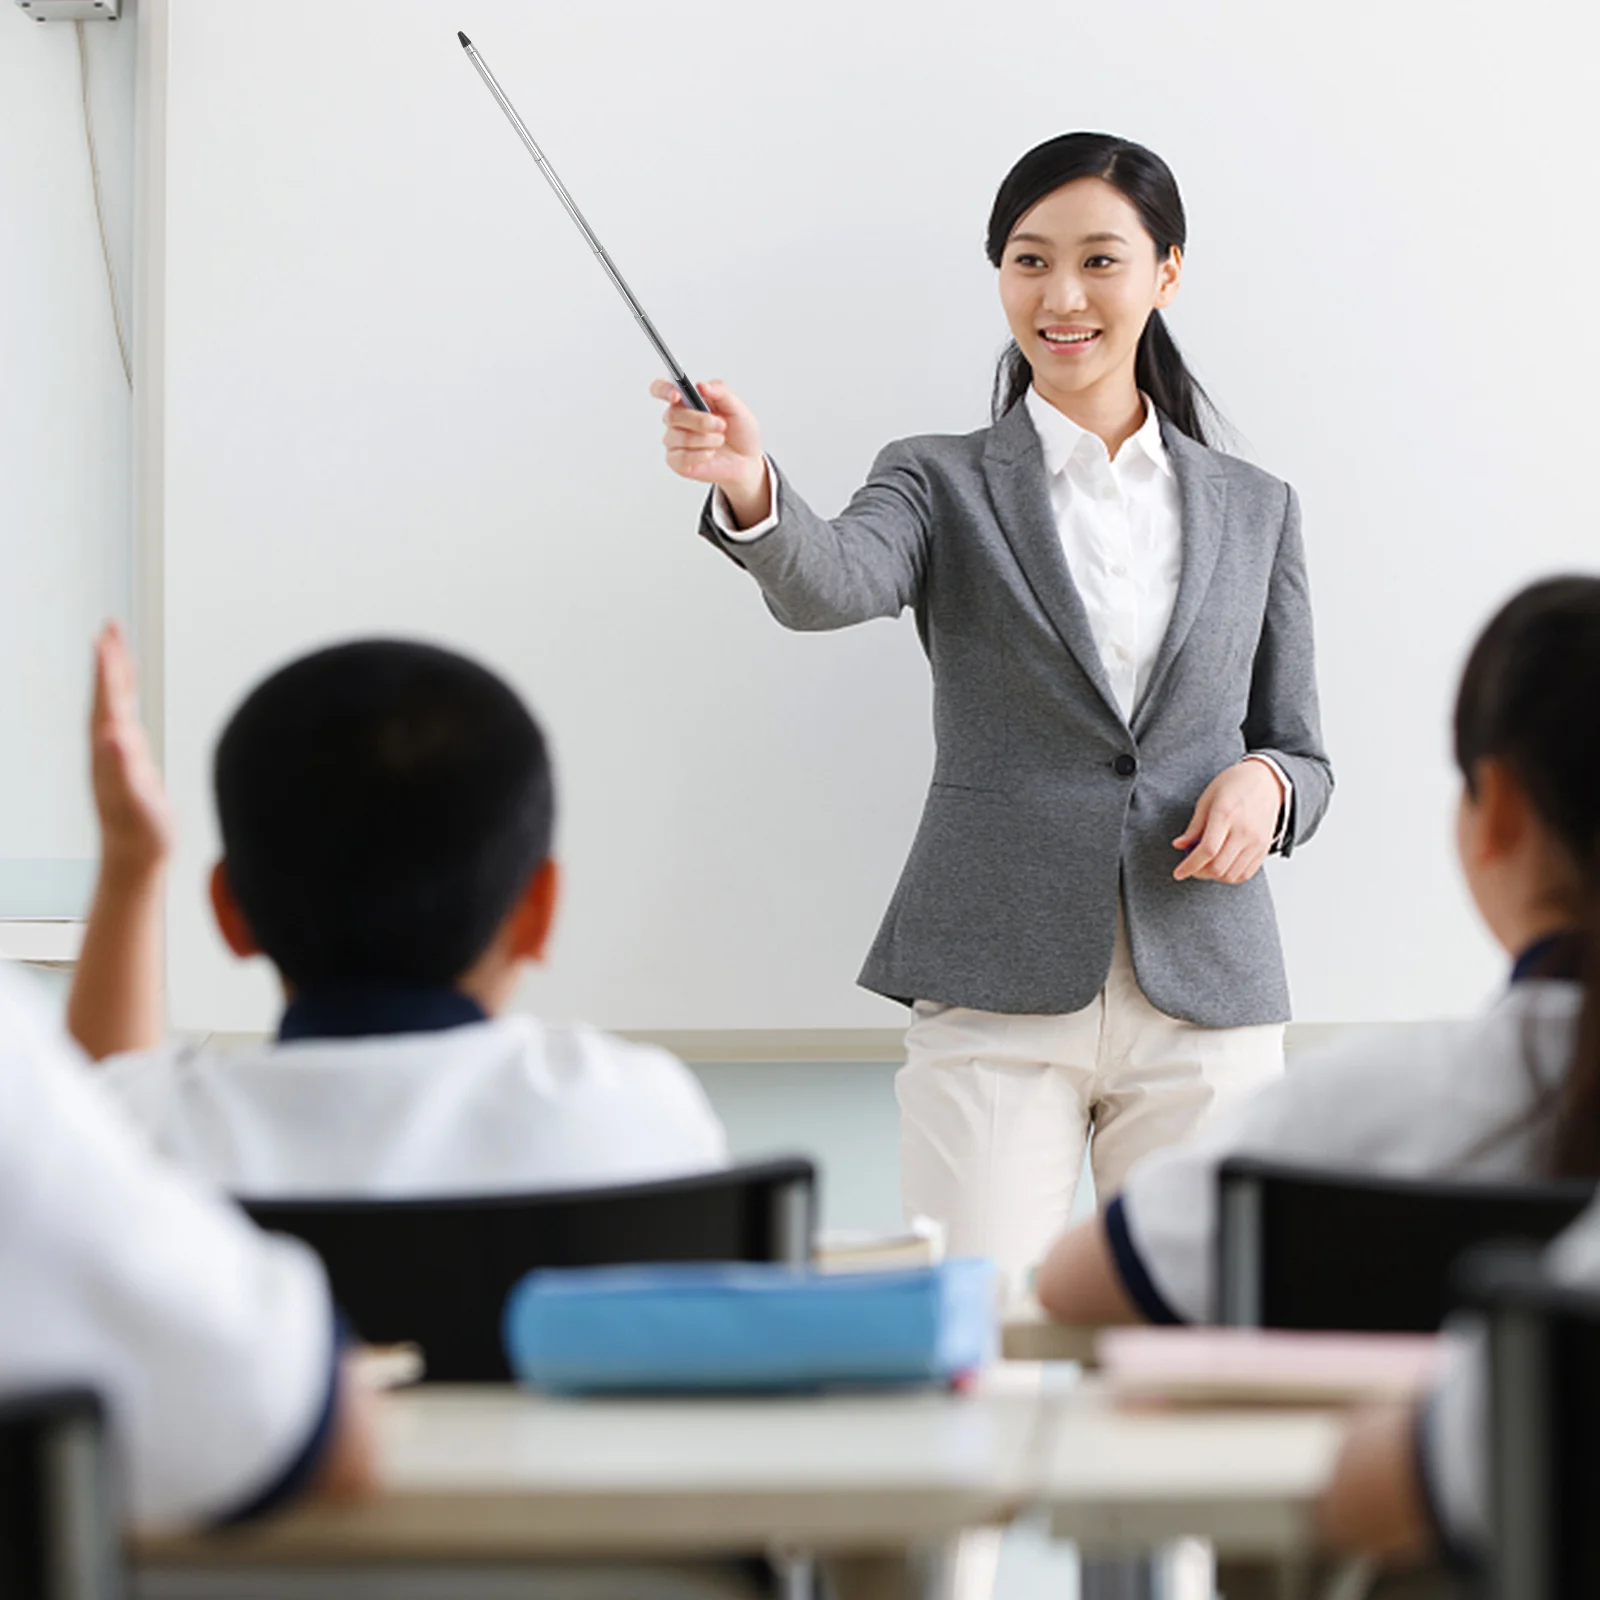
[1544, 1426]
[437, 1272]
[58, 1521]
[1309, 1249]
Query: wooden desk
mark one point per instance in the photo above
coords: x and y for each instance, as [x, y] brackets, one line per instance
[1122, 1483]
[1027, 1334]
[1246, 1479]
[499, 1475]
[495, 1476]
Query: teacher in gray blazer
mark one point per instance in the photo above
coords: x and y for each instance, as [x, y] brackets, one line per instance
[1125, 712]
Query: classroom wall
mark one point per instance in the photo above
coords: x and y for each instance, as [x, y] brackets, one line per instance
[431, 416]
[65, 459]
[1339, 171]
[842, 1114]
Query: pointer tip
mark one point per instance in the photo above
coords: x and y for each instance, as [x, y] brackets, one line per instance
[466, 43]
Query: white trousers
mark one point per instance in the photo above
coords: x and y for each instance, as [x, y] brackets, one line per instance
[996, 1110]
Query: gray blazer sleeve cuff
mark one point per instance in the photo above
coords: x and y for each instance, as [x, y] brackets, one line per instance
[1292, 767]
[721, 519]
[714, 528]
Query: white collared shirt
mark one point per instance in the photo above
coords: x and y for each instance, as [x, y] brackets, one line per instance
[1121, 532]
[504, 1105]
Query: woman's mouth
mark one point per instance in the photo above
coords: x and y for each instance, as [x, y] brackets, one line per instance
[1069, 341]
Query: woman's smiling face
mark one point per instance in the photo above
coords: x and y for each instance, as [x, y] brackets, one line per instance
[1079, 279]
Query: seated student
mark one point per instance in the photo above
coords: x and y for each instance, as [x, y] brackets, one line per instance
[1503, 1096]
[386, 814]
[213, 1346]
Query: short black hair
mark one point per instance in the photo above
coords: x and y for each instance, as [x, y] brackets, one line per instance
[383, 804]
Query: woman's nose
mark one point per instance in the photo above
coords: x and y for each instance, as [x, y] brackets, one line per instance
[1064, 296]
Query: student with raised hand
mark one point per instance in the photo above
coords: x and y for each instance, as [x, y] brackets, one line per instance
[1125, 711]
[386, 812]
[1513, 1093]
[214, 1347]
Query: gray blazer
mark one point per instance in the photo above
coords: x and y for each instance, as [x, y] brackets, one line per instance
[1045, 803]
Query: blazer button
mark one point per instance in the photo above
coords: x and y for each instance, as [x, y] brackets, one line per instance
[1124, 766]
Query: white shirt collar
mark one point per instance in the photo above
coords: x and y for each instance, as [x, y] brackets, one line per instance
[1060, 437]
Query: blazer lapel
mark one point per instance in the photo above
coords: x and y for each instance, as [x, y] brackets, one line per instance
[1203, 506]
[1013, 465]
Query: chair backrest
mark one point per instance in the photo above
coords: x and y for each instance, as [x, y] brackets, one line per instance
[59, 1534]
[1543, 1342]
[1302, 1248]
[437, 1272]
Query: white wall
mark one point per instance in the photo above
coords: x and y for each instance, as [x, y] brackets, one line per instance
[400, 395]
[65, 501]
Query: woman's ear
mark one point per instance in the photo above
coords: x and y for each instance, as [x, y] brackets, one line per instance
[231, 922]
[535, 913]
[1503, 813]
[1168, 276]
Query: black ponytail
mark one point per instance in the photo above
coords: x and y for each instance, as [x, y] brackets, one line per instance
[1528, 698]
[1146, 182]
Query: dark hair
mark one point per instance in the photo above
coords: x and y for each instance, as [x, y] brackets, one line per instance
[1530, 698]
[383, 804]
[1146, 182]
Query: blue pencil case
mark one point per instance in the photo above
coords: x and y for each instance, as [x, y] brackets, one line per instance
[709, 1327]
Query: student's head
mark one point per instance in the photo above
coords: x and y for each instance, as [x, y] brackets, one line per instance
[386, 812]
[1527, 741]
[1088, 233]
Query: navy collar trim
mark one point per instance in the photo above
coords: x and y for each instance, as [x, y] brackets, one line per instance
[1557, 955]
[367, 1010]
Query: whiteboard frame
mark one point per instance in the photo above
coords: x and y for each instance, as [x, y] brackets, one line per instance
[149, 391]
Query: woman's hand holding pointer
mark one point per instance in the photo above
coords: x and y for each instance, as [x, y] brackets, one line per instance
[721, 447]
[1234, 821]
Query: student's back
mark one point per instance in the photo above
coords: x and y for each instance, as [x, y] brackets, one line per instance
[386, 811]
[214, 1348]
[502, 1104]
[1465, 1100]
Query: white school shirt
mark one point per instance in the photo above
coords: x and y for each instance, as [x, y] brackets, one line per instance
[1121, 529]
[1453, 1427]
[496, 1106]
[1446, 1099]
[211, 1344]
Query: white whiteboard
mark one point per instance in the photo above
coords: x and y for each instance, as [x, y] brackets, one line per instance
[400, 396]
[65, 429]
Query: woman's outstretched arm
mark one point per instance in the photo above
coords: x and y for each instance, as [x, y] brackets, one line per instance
[815, 573]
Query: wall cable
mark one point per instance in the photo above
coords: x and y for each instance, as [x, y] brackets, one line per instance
[99, 207]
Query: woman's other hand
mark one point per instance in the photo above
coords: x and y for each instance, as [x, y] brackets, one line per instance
[1233, 825]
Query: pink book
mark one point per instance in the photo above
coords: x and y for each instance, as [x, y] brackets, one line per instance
[1248, 1366]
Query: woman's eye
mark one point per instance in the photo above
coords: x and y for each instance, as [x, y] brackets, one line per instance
[1026, 260]
[1101, 261]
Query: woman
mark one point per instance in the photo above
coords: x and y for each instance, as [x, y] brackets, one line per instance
[1125, 713]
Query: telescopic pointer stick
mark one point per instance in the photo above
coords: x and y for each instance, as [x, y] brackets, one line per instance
[691, 395]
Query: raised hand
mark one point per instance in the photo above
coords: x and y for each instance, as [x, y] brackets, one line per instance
[135, 818]
[1232, 828]
[720, 447]
[116, 1000]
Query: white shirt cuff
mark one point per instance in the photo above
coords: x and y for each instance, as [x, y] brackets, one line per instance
[722, 512]
[1286, 808]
